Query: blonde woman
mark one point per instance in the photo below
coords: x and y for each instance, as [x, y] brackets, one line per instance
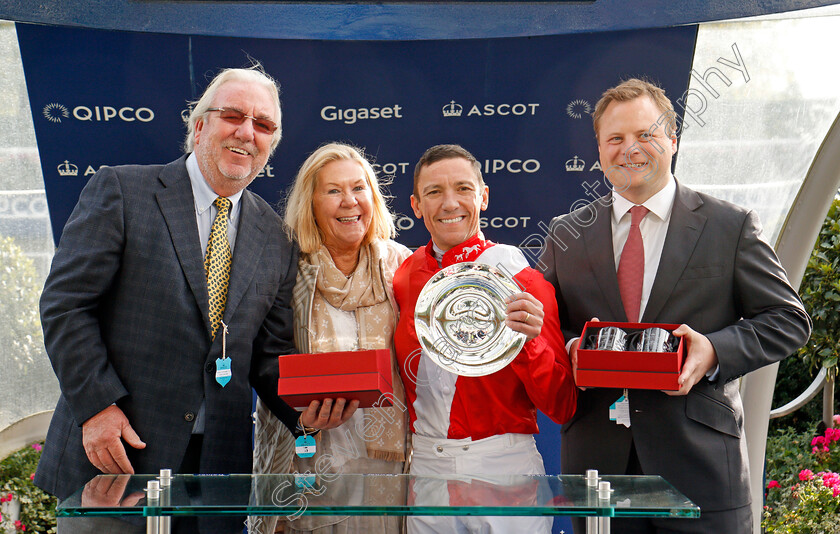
[343, 300]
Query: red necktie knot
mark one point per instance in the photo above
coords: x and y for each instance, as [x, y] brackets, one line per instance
[637, 213]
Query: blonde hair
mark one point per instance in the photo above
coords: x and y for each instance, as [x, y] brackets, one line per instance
[300, 213]
[630, 90]
[254, 74]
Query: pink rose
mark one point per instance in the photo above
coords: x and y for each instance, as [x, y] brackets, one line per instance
[806, 474]
[773, 484]
[32, 476]
[37, 447]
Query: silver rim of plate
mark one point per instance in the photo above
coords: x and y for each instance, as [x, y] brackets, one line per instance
[460, 319]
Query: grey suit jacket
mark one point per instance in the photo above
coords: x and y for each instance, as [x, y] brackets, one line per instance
[125, 318]
[718, 275]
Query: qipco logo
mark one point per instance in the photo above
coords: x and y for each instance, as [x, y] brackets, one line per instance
[56, 112]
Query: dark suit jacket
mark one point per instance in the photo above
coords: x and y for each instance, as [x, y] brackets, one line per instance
[718, 275]
[125, 318]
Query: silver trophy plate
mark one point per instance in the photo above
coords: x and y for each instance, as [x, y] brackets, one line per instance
[460, 319]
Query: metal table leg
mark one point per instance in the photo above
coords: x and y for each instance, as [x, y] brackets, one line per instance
[153, 499]
[597, 491]
[592, 478]
[604, 492]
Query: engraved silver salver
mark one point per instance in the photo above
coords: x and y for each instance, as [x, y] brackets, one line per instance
[460, 319]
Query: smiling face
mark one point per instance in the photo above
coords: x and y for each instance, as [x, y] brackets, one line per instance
[231, 155]
[635, 152]
[342, 203]
[450, 200]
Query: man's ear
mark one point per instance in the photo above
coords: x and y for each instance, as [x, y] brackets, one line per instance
[415, 205]
[199, 125]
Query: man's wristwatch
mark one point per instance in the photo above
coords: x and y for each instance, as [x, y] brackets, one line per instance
[307, 430]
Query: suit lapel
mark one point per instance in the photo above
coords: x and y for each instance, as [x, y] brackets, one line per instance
[683, 233]
[177, 204]
[601, 259]
[251, 238]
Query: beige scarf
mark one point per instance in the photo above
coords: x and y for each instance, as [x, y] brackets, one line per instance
[365, 294]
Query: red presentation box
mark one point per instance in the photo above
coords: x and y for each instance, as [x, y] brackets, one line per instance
[364, 375]
[628, 369]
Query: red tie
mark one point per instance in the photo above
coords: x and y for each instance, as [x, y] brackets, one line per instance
[631, 266]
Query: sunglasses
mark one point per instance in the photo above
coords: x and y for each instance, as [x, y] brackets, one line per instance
[234, 116]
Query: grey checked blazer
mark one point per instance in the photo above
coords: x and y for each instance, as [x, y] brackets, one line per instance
[124, 312]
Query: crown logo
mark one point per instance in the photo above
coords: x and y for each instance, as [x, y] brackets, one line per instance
[452, 109]
[68, 169]
[575, 164]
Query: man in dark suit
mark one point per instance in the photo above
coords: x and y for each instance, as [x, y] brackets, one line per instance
[699, 262]
[140, 345]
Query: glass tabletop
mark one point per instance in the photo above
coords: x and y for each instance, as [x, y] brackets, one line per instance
[346, 494]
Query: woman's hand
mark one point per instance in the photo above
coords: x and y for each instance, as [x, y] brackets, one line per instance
[329, 414]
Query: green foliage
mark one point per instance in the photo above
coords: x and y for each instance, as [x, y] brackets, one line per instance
[808, 507]
[820, 292]
[803, 490]
[21, 335]
[788, 452]
[37, 510]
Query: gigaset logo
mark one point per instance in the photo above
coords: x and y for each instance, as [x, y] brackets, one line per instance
[55, 112]
[351, 115]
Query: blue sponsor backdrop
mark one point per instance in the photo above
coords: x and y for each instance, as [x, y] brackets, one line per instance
[519, 104]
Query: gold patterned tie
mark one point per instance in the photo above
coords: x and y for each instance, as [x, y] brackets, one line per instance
[217, 263]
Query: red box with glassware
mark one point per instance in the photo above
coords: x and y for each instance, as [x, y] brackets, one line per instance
[608, 359]
[363, 374]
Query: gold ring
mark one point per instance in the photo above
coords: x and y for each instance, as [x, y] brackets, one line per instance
[527, 316]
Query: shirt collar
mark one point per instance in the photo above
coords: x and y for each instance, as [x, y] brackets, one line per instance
[659, 204]
[202, 192]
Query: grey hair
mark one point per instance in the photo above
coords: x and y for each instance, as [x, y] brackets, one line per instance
[254, 74]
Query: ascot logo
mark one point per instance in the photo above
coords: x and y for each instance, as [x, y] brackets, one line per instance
[71, 170]
[503, 222]
[453, 109]
[575, 164]
[576, 109]
[578, 165]
[54, 112]
[68, 169]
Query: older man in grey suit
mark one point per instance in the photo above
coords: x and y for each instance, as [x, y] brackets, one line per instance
[653, 250]
[168, 298]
